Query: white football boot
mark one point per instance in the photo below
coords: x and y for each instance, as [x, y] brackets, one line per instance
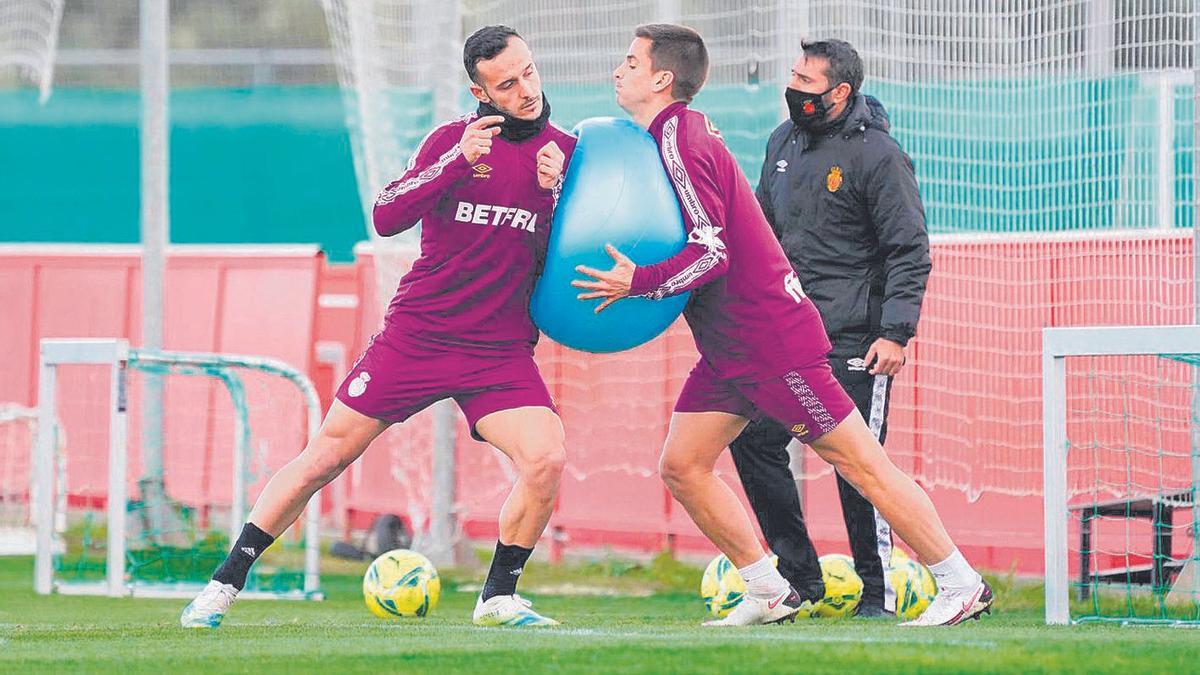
[508, 610]
[752, 611]
[207, 610]
[952, 607]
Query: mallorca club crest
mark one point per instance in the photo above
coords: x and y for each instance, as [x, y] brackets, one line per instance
[834, 180]
[358, 386]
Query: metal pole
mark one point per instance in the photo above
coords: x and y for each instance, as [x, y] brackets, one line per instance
[118, 463]
[668, 11]
[1100, 23]
[43, 478]
[1164, 151]
[154, 32]
[1054, 468]
[794, 24]
[1195, 425]
[443, 525]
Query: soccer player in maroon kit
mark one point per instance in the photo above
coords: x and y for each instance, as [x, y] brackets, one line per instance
[484, 187]
[763, 348]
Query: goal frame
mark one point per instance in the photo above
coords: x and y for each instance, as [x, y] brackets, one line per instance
[1057, 345]
[117, 355]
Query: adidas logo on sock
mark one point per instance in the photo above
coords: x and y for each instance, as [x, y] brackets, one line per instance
[248, 551]
[517, 572]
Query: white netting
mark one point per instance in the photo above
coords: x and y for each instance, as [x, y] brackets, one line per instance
[214, 417]
[28, 35]
[1133, 465]
[400, 75]
[17, 429]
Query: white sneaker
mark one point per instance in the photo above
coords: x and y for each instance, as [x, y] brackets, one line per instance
[752, 611]
[952, 607]
[207, 610]
[508, 610]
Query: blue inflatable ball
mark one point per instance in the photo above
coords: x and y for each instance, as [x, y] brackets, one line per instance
[615, 191]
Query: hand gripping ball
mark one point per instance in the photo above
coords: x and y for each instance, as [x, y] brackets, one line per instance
[615, 192]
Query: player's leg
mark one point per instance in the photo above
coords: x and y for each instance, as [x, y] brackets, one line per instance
[858, 457]
[856, 454]
[868, 531]
[694, 442]
[689, 458]
[709, 414]
[342, 438]
[816, 408]
[762, 460]
[515, 414]
[532, 437]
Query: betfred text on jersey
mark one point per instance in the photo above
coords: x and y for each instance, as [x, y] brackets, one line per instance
[488, 214]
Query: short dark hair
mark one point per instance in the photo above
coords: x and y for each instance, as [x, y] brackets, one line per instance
[680, 50]
[483, 45]
[845, 65]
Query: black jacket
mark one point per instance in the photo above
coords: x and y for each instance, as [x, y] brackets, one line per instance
[846, 208]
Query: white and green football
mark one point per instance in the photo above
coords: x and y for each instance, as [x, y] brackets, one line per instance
[401, 583]
[843, 586]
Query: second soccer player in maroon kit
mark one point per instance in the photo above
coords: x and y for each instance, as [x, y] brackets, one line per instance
[763, 347]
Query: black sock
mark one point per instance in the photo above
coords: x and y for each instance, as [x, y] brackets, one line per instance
[250, 544]
[507, 565]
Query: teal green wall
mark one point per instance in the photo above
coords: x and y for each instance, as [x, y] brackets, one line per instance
[274, 165]
[263, 166]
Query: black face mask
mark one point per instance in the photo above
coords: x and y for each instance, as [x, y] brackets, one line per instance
[515, 129]
[807, 110]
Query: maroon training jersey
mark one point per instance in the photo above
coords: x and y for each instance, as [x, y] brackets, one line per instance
[483, 241]
[749, 315]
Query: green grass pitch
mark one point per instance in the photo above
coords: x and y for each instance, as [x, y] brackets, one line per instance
[655, 634]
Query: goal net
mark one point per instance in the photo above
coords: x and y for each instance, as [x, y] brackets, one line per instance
[229, 423]
[17, 429]
[28, 35]
[1122, 466]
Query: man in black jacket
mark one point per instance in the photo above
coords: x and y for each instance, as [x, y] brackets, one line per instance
[841, 196]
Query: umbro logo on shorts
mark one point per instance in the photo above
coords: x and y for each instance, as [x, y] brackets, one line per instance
[359, 384]
[856, 364]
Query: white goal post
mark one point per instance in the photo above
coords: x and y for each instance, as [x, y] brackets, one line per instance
[119, 358]
[1057, 345]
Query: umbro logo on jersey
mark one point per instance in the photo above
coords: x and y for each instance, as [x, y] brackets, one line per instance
[487, 214]
[481, 170]
[781, 166]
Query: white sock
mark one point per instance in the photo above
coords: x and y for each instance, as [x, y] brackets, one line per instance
[763, 581]
[955, 572]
